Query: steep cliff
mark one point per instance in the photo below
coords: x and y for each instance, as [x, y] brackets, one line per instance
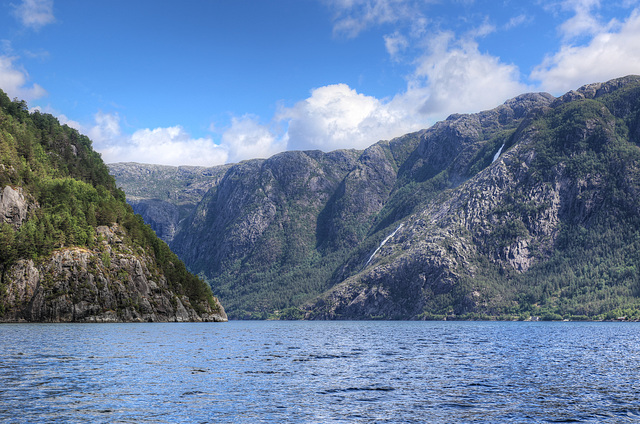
[165, 195]
[548, 228]
[109, 283]
[71, 249]
[261, 226]
[278, 232]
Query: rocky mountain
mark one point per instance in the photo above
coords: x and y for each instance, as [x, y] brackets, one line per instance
[165, 195]
[71, 249]
[529, 209]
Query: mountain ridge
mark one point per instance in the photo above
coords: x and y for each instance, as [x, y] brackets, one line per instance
[469, 232]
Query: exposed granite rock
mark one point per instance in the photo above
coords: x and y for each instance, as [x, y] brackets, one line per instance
[164, 217]
[257, 205]
[452, 144]
[411, 224]
[509, 213]
[109, 283]
[14, 208]
[165, 195]
[360, 196]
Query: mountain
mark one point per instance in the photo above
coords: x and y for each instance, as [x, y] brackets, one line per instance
[529, 209]
[71, 249]
[165, 195]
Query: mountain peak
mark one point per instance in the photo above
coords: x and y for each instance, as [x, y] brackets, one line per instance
[526, 209]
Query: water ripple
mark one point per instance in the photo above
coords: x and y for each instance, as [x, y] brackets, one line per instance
[321, 372]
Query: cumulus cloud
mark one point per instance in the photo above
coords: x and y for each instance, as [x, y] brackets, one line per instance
[450, 73]
[457, 77]
[14, 81]
[609, 54]
[336, 116]
[168, 146]
[333, 117]
[584, 22]
[35, 13]
[64, 120]
[247, 138]
[106, 128]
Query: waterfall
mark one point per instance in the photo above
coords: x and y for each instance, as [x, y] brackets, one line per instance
[497, 155]
[383, 243]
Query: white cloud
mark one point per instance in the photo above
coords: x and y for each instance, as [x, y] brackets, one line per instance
[354, 16]
[106, 128]
[609, 54]
[35, 13]
[13, 81]
[336, 116]
[584, 22]
[459, 78]
[168, 146]
[516, 21]
[483, 30]
[395, 43]
[452, 75]
[247, 138]
[64, 120]
[333, 117]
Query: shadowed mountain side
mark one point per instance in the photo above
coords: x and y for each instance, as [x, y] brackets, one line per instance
[165, 195]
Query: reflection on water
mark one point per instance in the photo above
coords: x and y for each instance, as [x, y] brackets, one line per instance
[319, 372]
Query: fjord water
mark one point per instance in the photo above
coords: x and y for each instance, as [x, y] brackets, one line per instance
[320, 372]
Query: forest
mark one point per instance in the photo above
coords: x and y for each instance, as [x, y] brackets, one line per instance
[58, 171]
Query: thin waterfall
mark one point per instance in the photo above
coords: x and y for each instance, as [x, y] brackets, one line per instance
[497, 155]
[383, 243]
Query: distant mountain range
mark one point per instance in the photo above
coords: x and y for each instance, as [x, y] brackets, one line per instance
[529, 209]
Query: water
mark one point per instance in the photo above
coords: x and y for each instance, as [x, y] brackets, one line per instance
[389, 237]
[320, 372]
[498, 153]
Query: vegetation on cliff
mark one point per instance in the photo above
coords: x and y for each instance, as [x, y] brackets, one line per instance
[549, 228]
[64, 194]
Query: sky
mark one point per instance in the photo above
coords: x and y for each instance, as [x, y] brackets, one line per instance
[191, 82]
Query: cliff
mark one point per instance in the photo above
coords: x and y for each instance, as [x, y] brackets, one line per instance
[109, 283]
[165, 195]
[71, 249]
[547, 228]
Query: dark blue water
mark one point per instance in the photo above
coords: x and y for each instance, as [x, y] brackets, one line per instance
[321, 372]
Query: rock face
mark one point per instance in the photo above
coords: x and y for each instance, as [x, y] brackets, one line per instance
[71, 249]
[529, 208]
[109, 283]
[13, 206]
[258, 204]
[165, 195]
[507, 217]
[296, 220]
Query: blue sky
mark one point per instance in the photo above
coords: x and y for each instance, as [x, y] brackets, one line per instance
[208, 82]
